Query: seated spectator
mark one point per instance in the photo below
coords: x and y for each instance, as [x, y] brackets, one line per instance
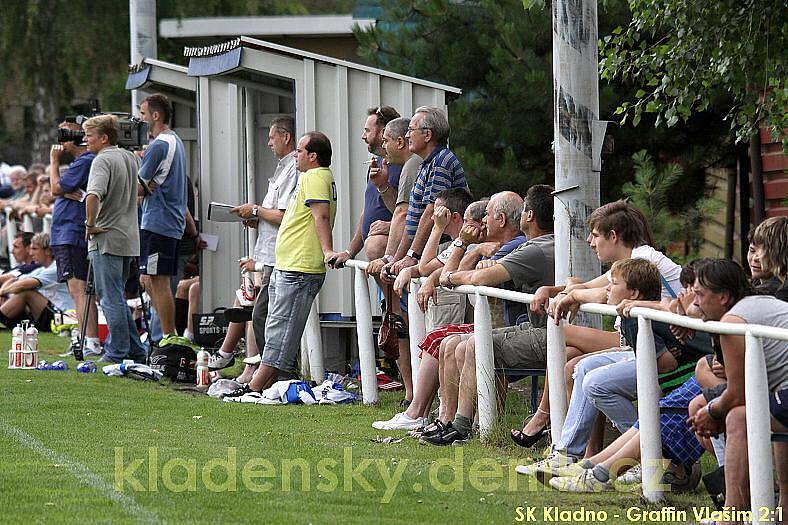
[528, 267]
[679, 445]
[618, 231]
[719, 289]
[36, 295]
[24, 259]
[453, 209]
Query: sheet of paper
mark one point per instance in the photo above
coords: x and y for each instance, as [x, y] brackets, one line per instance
[220, 212]
[211, 240]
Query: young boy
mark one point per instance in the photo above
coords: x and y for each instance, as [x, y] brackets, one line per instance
[607, 381]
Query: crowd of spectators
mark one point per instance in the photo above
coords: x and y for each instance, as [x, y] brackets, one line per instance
[130, 215]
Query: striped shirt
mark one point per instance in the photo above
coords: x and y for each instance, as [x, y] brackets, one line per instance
[440, 171]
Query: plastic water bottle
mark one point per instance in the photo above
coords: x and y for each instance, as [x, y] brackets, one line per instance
[247, 285]
[87, 367]
[18, 340]
[31, 347]
[203, 373]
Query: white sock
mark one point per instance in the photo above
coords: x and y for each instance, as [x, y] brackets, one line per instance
[188, 335]
[93, 343]
[226, 355]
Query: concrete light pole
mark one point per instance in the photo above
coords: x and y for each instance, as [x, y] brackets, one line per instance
[142, 20]
[578, 135]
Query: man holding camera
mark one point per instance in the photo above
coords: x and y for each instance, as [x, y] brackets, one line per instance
[162, 178]
[112, 232]
[69, 247]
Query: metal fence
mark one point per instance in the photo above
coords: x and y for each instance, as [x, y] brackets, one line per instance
[756, 392]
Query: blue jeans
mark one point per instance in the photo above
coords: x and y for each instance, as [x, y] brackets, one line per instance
[110, 273]
[290, 297]
[606, 382]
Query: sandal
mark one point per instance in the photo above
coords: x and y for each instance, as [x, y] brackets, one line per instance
[527, 440]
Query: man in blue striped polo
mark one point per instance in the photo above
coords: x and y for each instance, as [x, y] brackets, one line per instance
[427, 135]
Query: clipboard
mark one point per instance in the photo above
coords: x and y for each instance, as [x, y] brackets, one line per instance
[220, 212]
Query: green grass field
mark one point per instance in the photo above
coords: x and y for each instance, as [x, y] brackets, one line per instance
[92, 449]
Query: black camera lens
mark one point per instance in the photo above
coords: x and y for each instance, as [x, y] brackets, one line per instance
[70, 135]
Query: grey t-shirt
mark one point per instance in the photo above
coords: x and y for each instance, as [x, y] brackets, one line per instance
[531, 265]
[768, 311]
[407, 178]
[113, 179]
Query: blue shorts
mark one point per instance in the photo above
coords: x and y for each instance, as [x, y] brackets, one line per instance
[72, 262]
[158, 254]
[778, 406]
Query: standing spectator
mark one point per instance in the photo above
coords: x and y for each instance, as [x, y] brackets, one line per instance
[69, 246]
[267, 217]
[163, 182]
[428, 134]
[112, 232]
[303, 248]
[380, 194]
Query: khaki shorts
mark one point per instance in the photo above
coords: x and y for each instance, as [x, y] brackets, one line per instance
[521, 346]
[451, 308]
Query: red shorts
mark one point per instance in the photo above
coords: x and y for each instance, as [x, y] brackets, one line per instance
[432, 341]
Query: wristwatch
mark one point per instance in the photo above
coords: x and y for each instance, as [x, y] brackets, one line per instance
[413, 254]
[254, 211]
[459, 244]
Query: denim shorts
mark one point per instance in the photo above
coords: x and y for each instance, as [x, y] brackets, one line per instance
[290, 297]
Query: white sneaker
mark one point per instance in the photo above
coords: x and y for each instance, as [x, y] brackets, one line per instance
[93, 353]
[249, 397]
[549, 465]
[631, 476]
[583, 482]
[217, 362]
[400, 421]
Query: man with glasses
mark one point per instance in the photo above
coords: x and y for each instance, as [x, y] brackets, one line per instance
[427, 135]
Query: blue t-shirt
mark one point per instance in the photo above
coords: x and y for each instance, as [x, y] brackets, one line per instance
[374, 207]
[164, 210]
[68, 216]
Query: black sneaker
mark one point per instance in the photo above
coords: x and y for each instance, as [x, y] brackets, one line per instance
[434, 428]
[238, 392]
[449, 436]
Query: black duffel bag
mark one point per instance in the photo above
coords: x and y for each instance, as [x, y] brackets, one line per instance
[176, 361]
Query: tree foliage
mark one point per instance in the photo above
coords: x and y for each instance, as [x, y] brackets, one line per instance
[57, 54]
[500, 55]
[684, 54]
[651, 191]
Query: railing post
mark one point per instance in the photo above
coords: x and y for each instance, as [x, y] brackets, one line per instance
[27, 223]
[759, 431]
[10, 229]
[48, 223]
[648, 412]
[366, 347]
[314, 344]
[556, 377]
[416, 331]
[485, 367]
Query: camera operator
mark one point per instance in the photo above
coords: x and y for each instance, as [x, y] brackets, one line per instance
[68, 243]
[162, 177]
[112, 232]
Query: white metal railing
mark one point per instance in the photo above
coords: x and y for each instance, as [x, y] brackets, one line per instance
[756, 389]
[10, 230]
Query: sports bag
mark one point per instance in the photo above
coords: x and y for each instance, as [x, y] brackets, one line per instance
[176, 361]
